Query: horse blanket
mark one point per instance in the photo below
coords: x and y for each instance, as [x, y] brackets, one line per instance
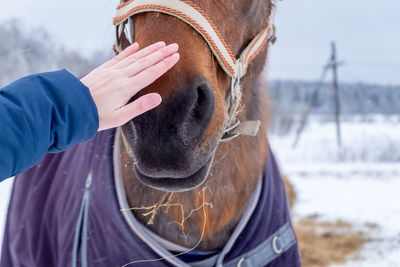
[58, 217]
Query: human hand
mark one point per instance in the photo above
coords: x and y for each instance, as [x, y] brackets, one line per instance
[115, 82]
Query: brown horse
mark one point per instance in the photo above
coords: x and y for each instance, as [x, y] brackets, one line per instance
[172, 147]
[167, 168]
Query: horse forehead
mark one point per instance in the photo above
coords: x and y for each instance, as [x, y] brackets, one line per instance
[227, 16]
[154, 26]
[218, 12]
[196, 57]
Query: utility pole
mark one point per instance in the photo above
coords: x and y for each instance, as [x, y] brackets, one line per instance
[332, 64]
[336, 90]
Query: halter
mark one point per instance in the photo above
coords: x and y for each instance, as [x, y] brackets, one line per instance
[198, 19]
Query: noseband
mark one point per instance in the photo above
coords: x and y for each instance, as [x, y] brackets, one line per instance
[193, 15]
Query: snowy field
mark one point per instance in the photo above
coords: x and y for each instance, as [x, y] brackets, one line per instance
[358, 183]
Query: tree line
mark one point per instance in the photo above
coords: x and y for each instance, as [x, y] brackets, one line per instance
[24, 52]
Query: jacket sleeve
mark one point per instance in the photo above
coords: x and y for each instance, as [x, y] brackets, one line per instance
[42, 113]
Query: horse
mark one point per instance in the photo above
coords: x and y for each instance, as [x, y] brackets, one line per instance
[166, 175]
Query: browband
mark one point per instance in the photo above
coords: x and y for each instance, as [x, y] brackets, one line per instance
[199, 20]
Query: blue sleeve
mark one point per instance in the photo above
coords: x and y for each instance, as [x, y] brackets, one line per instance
[43, 113]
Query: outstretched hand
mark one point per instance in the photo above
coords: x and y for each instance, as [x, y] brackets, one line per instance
[115, 82]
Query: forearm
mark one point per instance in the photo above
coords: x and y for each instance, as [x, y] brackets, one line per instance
[43, 113]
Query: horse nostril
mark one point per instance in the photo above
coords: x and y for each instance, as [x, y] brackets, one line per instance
[200, 113]
[201, 104]
[203, 107]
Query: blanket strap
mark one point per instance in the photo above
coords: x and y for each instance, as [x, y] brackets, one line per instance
[277, 244]
[80, 237]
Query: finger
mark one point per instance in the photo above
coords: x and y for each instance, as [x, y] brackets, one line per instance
[154, 72]
[124, 54]
[140, 54]
[151, 60]
[138, 107]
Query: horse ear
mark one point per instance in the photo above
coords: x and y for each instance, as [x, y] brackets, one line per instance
[122, 41]
[132, 29]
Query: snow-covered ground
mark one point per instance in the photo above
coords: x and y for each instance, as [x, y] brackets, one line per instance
[359, 183]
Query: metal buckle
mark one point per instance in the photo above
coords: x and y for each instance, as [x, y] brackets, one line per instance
[230, 128]
[272, 39]
[227, 133]
[240, 262]
[275, 245]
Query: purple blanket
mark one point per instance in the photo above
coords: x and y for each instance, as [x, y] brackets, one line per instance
[47, 201]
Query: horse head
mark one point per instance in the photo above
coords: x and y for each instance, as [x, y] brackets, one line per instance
[174, 145]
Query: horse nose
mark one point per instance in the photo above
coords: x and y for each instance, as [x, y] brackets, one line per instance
[167, 138]
[199, 111]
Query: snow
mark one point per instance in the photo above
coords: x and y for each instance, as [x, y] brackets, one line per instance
[383, 253]
[369, 139]
[363, 201]
[356, 199]
[358, 182]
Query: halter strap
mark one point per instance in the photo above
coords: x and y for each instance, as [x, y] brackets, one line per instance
[193, 15]
[198, 19]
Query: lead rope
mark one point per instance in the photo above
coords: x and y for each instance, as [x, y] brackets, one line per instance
[235, 127]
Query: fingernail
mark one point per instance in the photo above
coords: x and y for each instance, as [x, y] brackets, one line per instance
[174, 46]
[162, 43]
[176, 56]
[156, 99]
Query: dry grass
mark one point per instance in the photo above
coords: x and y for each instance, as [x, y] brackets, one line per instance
[323, 243]
[290, 192]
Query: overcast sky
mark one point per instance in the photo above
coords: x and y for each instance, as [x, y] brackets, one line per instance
[367, 33]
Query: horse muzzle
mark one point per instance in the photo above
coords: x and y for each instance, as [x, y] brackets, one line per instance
[169, 145]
